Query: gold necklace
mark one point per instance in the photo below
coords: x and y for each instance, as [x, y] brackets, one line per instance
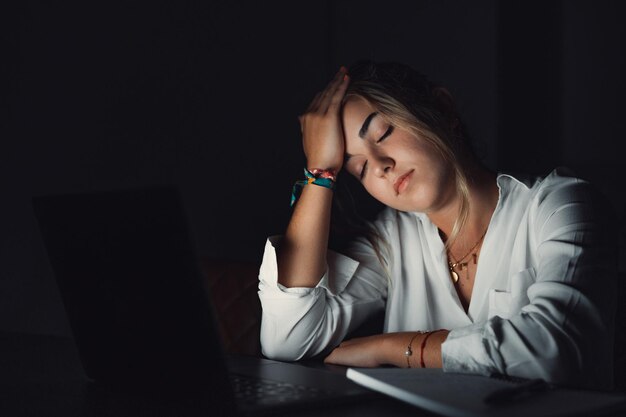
[460, 263]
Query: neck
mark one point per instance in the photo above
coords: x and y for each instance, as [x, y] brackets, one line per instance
[483, 198]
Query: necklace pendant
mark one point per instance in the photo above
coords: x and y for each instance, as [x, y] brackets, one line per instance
[455, 276]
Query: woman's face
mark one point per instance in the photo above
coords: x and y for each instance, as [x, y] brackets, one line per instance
[397, 168]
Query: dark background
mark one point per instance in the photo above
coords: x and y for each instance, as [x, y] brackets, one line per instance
[206, 94]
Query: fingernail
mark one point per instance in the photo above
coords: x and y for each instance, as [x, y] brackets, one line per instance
[345, 77]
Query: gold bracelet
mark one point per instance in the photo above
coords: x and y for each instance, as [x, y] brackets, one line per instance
[409, 351]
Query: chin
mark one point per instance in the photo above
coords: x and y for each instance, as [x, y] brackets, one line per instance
[409, 206]
[420, 202]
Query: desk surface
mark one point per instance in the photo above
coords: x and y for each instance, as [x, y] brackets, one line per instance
[42, 376]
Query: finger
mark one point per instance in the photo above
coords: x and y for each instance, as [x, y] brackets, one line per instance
[329, 91]
[336, 78]
[337, 97]
[315, 103]
[335, 81]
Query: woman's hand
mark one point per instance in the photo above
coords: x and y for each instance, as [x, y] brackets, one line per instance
[322, 133]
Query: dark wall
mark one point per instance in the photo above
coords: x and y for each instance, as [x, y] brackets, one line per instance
[206, 94]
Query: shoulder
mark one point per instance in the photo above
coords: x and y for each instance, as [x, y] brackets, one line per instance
[561, 196]
[558, 175]
[561, 185]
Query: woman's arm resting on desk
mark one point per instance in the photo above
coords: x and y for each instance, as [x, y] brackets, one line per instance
[389, 349]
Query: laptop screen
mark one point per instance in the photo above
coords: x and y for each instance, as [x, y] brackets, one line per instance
[132, 289]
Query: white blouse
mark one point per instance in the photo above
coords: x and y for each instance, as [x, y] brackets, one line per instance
[542, 305]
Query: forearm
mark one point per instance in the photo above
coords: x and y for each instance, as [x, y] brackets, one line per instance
[389, 349]
[302, 253]
[396, 344]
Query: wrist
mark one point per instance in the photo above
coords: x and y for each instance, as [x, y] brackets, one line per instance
[394, 348]
[315, 176]
[324, 166]
[329, 174]
[412, 350]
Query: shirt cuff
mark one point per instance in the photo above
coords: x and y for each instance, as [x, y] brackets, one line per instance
[465, 350]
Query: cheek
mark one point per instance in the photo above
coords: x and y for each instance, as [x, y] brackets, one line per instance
[379, 190]
[354, 167]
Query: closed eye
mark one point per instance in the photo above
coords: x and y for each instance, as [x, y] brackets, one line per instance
[382, 138]
[387, 133]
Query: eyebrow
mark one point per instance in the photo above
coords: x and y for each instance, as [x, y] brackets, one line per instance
[366, 125]
[362, 132]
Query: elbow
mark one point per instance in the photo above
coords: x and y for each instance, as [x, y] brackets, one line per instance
[569, 362]
[563, 372]
[294, 331]
[280, 348]
[287, 343]
[279, 343]
[279, 352]
[586, 364]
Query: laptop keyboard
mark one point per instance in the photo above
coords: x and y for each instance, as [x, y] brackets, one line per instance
[253, 391]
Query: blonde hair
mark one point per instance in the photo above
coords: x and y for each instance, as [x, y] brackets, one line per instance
[407, 100]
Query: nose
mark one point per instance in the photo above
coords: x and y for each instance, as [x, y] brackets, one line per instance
[382, 165]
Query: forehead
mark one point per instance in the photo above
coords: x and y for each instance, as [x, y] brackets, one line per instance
[355, 111]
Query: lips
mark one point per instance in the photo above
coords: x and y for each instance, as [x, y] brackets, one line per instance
[402, 182]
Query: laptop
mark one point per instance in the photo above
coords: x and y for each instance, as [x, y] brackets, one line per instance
[469, 395]
[140, 311]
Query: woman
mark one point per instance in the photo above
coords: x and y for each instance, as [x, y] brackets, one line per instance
[476, 272]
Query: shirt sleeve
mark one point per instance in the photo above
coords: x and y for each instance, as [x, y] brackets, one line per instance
[565, 333]
[303, 322]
